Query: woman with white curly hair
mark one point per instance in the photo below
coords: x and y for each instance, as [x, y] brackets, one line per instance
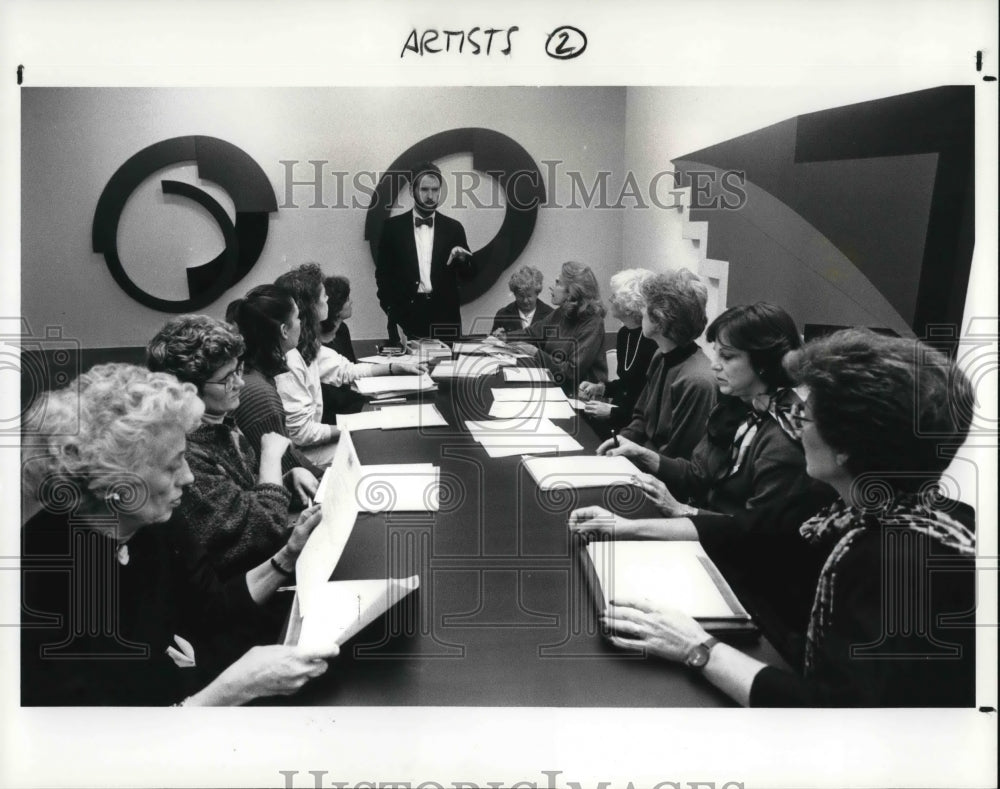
[634, 352]
[119, 607]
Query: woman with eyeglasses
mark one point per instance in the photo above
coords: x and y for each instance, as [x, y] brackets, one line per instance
[748, 456]
[237, 507]
[887, 597]
[119, 607]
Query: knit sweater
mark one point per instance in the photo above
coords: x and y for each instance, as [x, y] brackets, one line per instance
[672, 410]
[260, 411]
[236, 520]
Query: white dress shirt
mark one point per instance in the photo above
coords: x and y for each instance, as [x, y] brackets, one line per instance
[424, 237]
[526, 318]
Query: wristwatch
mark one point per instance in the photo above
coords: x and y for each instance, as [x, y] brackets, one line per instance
[698, 656]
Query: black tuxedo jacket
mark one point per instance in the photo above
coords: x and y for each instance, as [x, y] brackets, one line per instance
[397, 273]
[508, 318]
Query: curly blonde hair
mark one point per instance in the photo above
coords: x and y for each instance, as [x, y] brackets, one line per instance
[626, 292]
[104, 426]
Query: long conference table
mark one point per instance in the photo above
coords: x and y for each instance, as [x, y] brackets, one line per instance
[504, 615]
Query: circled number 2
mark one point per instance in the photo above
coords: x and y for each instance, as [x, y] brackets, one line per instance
[565, 42]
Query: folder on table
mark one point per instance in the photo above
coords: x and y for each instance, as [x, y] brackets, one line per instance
[581, 471]
[665, 574]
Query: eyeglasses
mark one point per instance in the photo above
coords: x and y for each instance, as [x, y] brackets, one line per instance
[797, 418]
[230, 380]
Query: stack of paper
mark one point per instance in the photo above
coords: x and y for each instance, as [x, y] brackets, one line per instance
[527, 374]
[390, 385]
[529, 436]
[666, 574]
[466, 367]
[393, 418]
[512, 409]
[547, 394]
[330, 613]
[581, 471]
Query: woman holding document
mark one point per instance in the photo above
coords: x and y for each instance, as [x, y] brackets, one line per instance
[120, 607]
[311, 363]
[894, 581]
[238, 504]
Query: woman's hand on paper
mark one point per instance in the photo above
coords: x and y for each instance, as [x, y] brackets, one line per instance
[272, 670]
[597, 409]
[666, 633]
[658, 493]
[405, 368]
[591, 522]
[307, 521]
[624, 446]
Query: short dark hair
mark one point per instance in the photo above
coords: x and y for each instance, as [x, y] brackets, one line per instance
[675, 301]
[193, 347]
[338, 291]
[764, 331]
[304, 283]
[897, 408]
[424, 168]
[259, 316]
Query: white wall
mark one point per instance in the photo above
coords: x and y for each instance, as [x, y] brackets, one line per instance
[74, 139]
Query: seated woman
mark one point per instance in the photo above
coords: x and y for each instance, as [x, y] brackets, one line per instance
[310, 363]
[525, 310]
[672, 409]
[748, 456]
[236, 508]
[268, 320]
[335, 335]
[134, 613]
[570, 340]
[635, 351]
[872, 550]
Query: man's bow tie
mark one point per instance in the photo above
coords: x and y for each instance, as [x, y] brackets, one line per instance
[421, 220]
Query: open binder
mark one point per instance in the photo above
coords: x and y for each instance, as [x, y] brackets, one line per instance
[669, 574]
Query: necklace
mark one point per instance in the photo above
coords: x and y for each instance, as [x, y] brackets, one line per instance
[628, 343]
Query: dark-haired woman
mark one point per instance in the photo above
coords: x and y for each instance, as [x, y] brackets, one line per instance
[268, 319]
[893, 586]
[310, 364]
[335, 335]
[748, 456]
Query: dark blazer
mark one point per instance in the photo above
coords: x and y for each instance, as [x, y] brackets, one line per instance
[397, 274]
[508, 319]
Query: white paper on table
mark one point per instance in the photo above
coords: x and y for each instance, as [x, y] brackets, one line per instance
[325, 545]
[471, 347]
[466, 367]
[514, 409]
[398, 487]
[506, 427]
[546, 394]
[506, 446]
[342, 609]
[579, 405]
[526, 374]
[394, 383]
[665, 573]
[581, 471]
[393, 418]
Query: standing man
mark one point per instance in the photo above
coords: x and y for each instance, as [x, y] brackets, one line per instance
[421, 256]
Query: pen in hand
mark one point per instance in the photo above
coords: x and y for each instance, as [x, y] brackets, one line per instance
[614, 437]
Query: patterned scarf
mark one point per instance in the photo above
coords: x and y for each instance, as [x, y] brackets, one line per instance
[750, 419]
[843, 525]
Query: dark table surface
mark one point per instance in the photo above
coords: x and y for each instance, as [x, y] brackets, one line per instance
[503, 615]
